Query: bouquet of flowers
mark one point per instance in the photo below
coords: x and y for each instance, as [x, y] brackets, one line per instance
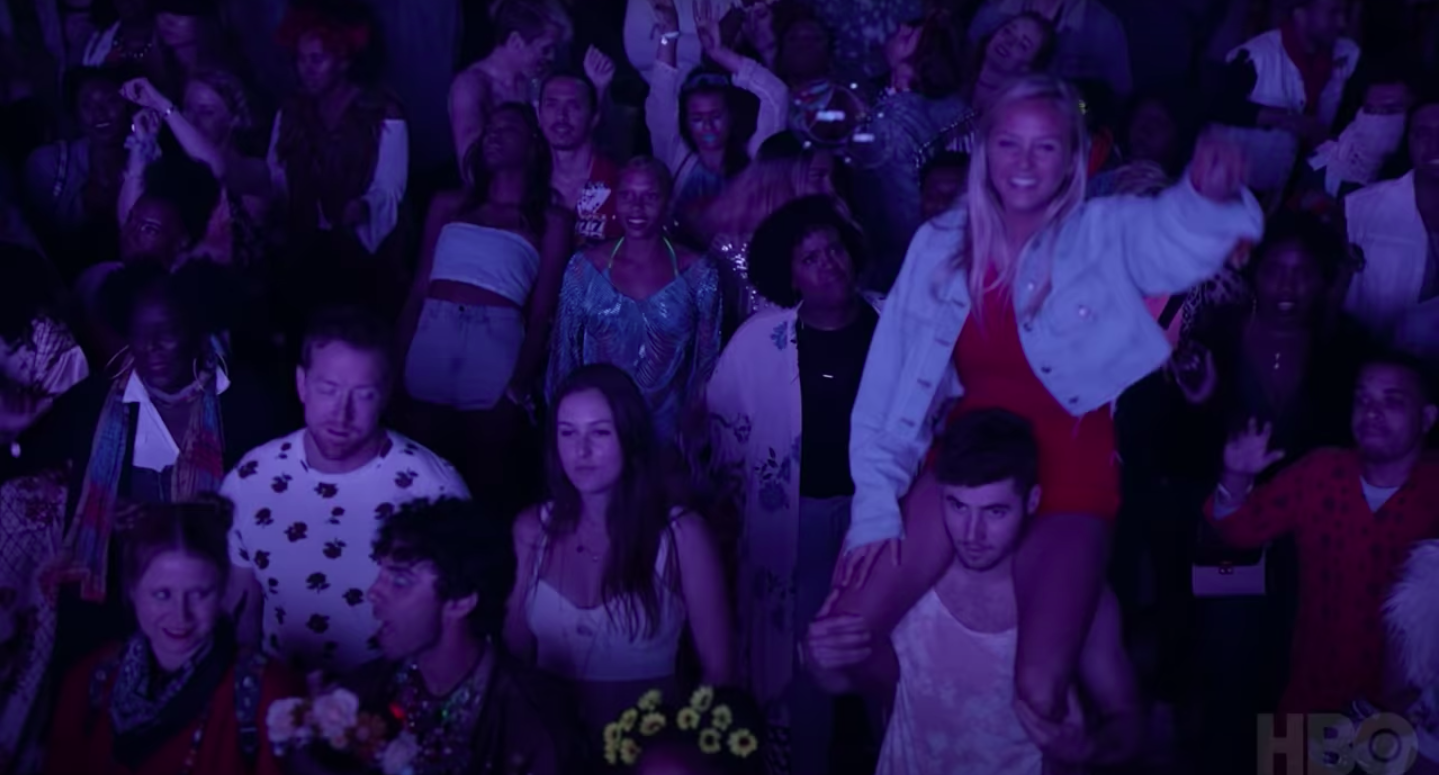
[334, 718]
[709, 725]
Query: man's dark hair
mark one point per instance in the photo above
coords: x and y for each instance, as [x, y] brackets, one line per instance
[1424, 374]
[530, 18]
[469, 548]
[187, 186]
[586, 85]
[986, 447]
[191, 292]
[354, 326]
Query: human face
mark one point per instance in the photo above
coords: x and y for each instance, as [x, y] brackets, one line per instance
[1391, 416]
[1288, 284]
[1153, 134]
[1030, 155]
[819, 175]
[1424, 141]
[344, 392]
[177, 603]
[588, 442]
[507, 142]
[162, 347]
[940, 190]
[822, 270]
[177, 31]
[153, 228]
[642, 204]
[101, 110]
[805, 52]
[319, 68]
[1014, 46]
[708, 120]
[566, 113]
[404, 602]
[986, 522]
[901, 45]
[208, 112]
[535, 57]
[1322, 21]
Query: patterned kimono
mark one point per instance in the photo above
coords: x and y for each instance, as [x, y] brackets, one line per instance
[754, 403]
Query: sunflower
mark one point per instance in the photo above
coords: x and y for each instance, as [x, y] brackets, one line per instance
[710, 741]
[651, 724]
[628, 719]
[687, 719]
[721, 718]
[650, 700]
[742, 743]
[702, 698]
[629, 751]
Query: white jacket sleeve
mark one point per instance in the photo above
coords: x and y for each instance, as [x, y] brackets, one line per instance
[662, 116]
[884, 455]
[1177, 240]
[773, 96]
[387, 189]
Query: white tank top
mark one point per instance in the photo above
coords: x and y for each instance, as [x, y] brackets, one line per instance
[493, 259]
[953, 708]
[588, 644]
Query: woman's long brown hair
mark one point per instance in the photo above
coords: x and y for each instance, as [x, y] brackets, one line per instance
[638, 514]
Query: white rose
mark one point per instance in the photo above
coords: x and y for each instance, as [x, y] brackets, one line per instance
[335, 714]
[399, 755]
[282, 720]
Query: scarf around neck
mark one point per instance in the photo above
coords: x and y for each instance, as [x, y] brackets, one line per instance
[200, 468]
[147, 710]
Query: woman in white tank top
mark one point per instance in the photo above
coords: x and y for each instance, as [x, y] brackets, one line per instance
[609, 573]
[476, 326]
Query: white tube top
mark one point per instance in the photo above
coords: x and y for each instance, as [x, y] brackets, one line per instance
[493, 259]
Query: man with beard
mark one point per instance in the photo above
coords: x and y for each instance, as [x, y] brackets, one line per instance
[584, 177]
[446, 569]
[949, 662]
[307, 504]
[1354, 514]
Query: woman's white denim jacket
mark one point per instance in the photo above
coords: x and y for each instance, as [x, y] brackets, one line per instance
[1091, 339]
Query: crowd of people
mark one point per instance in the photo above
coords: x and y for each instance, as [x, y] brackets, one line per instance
[776, 387]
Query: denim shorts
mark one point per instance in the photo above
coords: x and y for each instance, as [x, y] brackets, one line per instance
[463, 355]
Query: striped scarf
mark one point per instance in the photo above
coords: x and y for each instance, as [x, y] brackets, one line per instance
[199, 469]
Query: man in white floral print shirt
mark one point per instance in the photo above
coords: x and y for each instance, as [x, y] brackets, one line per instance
[307, 505]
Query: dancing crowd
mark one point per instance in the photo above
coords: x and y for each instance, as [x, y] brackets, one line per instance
[769, 387]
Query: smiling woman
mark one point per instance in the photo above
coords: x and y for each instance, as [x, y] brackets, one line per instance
[175, 696]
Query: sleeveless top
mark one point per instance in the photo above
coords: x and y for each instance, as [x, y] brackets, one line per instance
[953, 709]
[589, 644]
[493, 259]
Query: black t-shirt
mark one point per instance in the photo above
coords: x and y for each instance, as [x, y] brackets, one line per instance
[830, 366]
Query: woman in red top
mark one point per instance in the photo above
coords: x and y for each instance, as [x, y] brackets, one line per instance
[175, 699]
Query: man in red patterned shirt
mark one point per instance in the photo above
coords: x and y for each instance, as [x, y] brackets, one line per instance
[1354, 514]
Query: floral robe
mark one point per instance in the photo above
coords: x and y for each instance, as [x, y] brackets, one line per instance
[753, 400]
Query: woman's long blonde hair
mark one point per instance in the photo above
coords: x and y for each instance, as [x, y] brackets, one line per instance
[985, 250]
[765, 186]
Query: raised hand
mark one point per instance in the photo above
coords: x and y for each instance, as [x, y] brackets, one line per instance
[1247, 454]
[1218, 169]
[146, 124]
[599, 68]
[707, 27]
[143, 93]
[667, 19]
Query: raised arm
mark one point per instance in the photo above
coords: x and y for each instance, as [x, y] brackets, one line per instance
[747, 74]
[662, 105]
[1249, 519]
[195, 144]
[143, 149]
[1181, 238]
